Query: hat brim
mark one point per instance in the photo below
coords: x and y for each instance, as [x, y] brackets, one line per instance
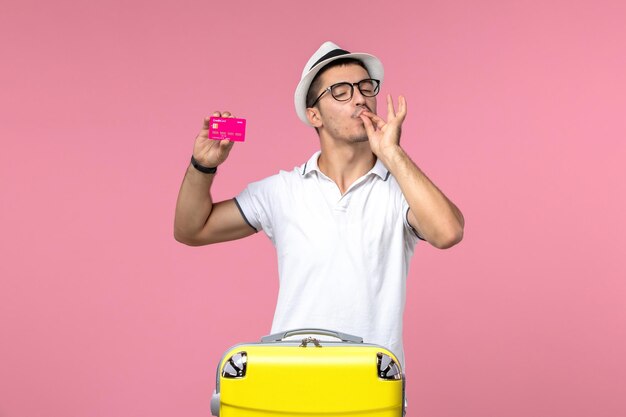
[373, 65]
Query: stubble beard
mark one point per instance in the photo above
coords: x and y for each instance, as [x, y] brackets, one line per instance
[349, 137]
[359, 137]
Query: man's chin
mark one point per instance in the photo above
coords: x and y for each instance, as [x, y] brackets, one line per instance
[360, 136]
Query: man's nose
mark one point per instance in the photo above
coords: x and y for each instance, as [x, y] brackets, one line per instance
[357, 97]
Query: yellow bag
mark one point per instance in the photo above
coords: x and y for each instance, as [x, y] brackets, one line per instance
[309, 377]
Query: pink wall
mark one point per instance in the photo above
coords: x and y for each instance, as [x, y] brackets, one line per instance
[516, 110]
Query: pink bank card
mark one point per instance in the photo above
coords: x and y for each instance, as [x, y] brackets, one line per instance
[227, 128]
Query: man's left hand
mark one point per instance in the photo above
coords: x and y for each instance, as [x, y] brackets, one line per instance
[385, 136]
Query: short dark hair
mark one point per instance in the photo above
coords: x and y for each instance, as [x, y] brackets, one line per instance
[315, 84]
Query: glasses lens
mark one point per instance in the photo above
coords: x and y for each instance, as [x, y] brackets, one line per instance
[342, 91]
[368, 88]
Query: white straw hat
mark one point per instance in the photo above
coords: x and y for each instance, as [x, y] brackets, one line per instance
[326, 54]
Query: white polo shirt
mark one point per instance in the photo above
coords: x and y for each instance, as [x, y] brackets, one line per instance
[342, 259]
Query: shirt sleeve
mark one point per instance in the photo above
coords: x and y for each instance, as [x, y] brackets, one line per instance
[255, 205]
[409, 232]
[410, 229]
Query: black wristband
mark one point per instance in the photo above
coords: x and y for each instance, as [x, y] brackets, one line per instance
[202, 168]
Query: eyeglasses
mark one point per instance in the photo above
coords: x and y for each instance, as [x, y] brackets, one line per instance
[368, 87]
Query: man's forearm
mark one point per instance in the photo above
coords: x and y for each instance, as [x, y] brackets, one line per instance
[194, 204]
[436, 218]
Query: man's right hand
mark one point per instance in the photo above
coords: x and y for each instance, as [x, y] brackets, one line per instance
[197, 220]
[209, 152]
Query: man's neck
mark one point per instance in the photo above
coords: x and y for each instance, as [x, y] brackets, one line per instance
[347, 163]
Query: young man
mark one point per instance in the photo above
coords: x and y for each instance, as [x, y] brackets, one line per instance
[345, 223]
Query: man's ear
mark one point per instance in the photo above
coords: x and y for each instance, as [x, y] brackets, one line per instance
[313, 116]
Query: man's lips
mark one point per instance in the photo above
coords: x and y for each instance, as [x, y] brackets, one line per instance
[358, 111]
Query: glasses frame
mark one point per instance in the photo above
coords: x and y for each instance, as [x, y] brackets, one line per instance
[330, 89]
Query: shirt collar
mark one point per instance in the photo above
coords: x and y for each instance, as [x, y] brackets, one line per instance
[311, 165]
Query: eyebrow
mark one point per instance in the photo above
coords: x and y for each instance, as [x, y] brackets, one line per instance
[348, 82]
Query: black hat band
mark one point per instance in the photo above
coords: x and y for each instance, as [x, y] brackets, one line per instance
[331, 54]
